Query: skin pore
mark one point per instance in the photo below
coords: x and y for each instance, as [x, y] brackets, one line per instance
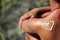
[52, 16]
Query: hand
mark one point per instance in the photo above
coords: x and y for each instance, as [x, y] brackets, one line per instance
[31, 13]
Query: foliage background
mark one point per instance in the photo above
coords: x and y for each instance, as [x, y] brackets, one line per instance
[10, 12]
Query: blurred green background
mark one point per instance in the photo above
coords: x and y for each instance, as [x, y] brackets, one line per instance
[11, 11]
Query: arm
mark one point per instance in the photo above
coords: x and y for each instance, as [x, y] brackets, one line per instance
[35, 22]
[23, 22]
[28, 15]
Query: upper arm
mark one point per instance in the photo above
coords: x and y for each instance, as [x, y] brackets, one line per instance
[34, 24]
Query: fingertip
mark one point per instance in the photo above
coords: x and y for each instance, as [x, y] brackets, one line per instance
[19, 24]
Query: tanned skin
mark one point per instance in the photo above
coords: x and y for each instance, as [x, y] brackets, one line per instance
[25, 17]
[33, 27]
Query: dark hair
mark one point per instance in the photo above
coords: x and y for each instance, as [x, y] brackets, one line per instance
[58, 1]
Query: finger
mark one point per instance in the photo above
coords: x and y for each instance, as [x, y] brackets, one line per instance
[45, 14]
[34, 11]
[42, 9]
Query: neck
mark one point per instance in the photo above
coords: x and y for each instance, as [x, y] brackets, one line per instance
[54, 5]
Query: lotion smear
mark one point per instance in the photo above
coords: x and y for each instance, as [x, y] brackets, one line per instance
[47, 25]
